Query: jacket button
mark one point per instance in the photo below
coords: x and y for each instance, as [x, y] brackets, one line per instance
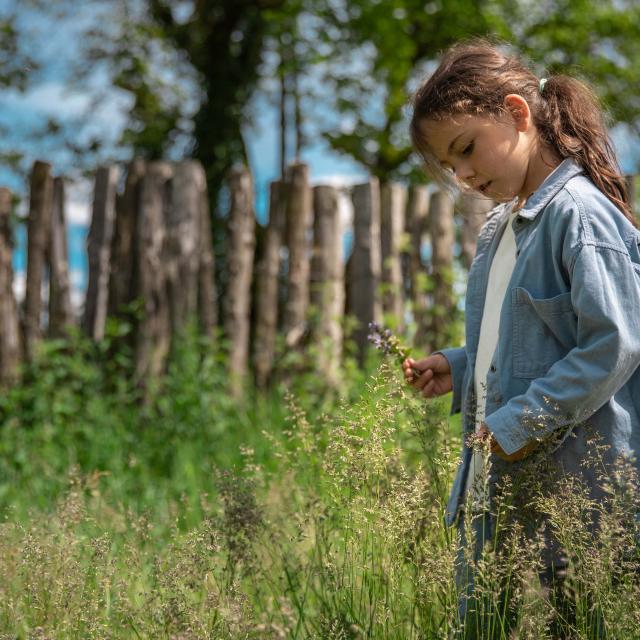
[492, 368]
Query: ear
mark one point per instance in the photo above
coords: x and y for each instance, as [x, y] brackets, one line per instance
[519, 110]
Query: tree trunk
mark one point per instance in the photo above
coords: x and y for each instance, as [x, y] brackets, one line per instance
[9, 325]
[122, 283]
[99, 251]
[365, 264]
[473, 210]
[207, 294]
[182, 243]
[153, 331]
[38, 230]
[327, 282]
[442, 240]
[267, 287]
[237, 320]
[299, 229]
[61, 314]
[283, 116]
[417, 277]
[393, 200]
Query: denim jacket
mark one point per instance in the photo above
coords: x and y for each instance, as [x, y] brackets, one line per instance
[568, 352]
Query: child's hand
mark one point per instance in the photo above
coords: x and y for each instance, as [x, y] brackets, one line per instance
[495, 448]
[431, 375]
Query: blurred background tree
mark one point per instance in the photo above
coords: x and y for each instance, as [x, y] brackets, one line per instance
[16, 66]
[190, 71]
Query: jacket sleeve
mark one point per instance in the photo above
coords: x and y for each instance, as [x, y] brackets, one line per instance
[605, 295]
[457, 358]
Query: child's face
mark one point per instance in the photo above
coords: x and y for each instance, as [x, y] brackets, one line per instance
[488, 154]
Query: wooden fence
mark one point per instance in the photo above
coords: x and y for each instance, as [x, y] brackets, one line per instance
[151, 260]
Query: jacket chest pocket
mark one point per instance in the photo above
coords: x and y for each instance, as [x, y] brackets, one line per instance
[544, 331]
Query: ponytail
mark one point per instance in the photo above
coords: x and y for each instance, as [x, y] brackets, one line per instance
[571, 121]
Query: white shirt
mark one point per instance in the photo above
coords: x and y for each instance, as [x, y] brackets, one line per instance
[499, 275]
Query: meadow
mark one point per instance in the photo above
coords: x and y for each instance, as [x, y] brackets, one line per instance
[298, 513]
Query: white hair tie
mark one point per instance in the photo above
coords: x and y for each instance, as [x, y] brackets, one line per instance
[543, 81]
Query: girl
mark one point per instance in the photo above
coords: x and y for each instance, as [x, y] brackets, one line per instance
[553, 295]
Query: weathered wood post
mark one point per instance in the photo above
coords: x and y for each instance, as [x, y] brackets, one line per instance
[366, 264]
[9, 325]
[99, 251]
[122, 283]
[38, 230]
[267, 287]
[441, 229]
[153, 331]
[393, 198]
[327, 281]
[417, 223]
[61, 313]
[240, 265]
[299, 221]
[473, 210]
[207, 294]
[182, 242]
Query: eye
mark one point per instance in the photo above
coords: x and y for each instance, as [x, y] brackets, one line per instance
[468, 150]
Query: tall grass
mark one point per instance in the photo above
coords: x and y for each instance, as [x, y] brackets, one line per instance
[288, 515]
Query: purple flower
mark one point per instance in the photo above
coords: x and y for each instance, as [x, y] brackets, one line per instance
[384, 340]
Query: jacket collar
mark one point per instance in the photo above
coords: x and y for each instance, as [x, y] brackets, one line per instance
[552, 184]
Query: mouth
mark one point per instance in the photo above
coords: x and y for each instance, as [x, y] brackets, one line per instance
[483, 187]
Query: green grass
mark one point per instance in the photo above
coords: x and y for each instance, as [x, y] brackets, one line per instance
[301, 513]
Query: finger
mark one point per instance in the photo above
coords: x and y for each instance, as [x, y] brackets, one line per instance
[429, 389]
[426, 377]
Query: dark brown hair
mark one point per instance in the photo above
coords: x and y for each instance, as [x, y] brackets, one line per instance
[475, 77]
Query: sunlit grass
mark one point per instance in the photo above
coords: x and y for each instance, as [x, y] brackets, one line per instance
[288, 515]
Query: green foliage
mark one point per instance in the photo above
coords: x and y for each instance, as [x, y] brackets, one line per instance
[391, 42]
[396, 43]
[597, 40]
[196, 516]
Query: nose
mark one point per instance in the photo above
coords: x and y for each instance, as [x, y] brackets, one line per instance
[464, 172]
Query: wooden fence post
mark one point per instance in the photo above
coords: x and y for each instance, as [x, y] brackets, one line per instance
[327, 282]
[442, 233]
[61, 313]
[299, 218]
[122, 282]
[267, 287]
[393, 198]
[99, 251]
[153, 331]
[9, 325]
[417, 222]
[38, 229]
[240, 264]
[473, 210]
[207, 294]
[182, 243]
[364, 270]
